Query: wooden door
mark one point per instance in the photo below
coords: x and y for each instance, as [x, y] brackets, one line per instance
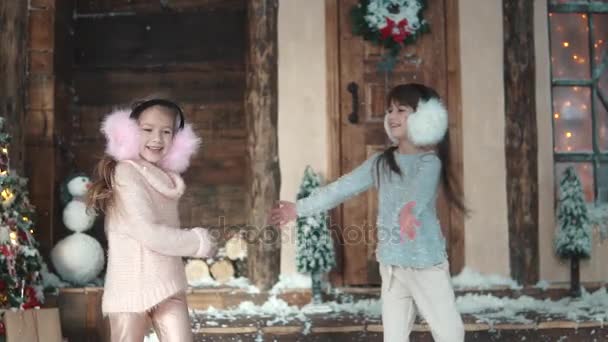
[357, 85]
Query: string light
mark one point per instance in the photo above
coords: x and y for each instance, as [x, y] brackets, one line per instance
[25, 219]
[13, 237]
[575, 57]
[569, 148]
[6, 194]
[568, 135]
[556, 116]
[566, 44]
[5, 150]
[567, 103]
[584, 16]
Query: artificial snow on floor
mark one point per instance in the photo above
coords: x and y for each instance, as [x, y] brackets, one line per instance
[239, 283]
[485, 308]
[490, 309]
[471, 279]
[286, 282]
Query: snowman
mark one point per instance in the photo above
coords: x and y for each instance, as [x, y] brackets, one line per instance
[78, 258]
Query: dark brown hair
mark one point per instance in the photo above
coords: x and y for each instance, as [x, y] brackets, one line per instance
[410, 95]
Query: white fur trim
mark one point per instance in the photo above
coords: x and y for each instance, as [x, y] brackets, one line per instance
[428, 125]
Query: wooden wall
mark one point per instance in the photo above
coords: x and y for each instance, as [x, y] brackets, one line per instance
[192, 51]
[78, 59]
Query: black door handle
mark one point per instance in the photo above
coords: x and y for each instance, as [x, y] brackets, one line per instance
[353, 89]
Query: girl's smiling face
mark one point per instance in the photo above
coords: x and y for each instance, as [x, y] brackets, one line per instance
[157, 127]
[397, 120]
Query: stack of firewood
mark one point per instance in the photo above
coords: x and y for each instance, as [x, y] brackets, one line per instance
[230, 262]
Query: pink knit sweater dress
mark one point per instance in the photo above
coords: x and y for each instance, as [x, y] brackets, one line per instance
[146, 243]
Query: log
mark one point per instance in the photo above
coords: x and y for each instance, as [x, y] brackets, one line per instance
[521, 148]
[236, 248]
[222, 271]
[262, 141]
[196, 271]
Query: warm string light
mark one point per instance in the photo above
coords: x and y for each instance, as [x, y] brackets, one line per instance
[6, 194]
[13, 237]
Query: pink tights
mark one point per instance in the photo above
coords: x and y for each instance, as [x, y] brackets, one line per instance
[170, 320]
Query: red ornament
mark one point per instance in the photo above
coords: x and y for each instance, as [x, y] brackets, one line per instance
[30, 298]
[6, 250]
[387, 30]
[22, 235]
[403, 32]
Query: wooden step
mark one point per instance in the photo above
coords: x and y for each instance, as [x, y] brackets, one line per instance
[365, 329]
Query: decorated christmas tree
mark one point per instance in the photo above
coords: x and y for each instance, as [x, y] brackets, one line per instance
[20, 262]
[315, 249]
[573, 238]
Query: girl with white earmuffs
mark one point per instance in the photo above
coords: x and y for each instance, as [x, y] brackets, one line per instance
[411, 246]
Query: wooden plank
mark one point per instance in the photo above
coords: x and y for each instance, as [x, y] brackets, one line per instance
[332, 50]
[521, 146]
[213, 206]
[261, 112]
[160, 39]
[342, 329]
[41, 173]
[123, 86]
[41, 62]
[42, 4]
[41, 29]
[13, 56]
[455, 238]
[41, 92]
[147, 6]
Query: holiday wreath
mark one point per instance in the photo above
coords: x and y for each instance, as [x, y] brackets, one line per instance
[389, 23]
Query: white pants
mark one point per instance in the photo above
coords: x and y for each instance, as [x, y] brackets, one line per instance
[430, 291]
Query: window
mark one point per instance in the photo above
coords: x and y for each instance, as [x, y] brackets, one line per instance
[578, 32]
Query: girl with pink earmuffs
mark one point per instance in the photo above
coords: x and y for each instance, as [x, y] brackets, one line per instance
[138, 186]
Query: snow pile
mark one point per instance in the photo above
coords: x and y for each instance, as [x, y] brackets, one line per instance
[491, 309]
[290, 282]
[485, 308]
[543, 285]
[278, 309]
[470, 279]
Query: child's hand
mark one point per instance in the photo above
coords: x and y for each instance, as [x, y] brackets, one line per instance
[282, 213]
[208, 244]
[408, 222]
